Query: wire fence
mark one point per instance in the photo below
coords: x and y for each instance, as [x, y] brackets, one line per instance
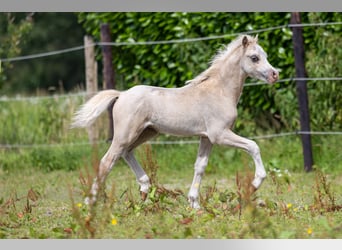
[164, 142]
[173, 41]
[186, 40]
[83, 93]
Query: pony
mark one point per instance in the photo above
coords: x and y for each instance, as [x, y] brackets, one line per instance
[205, 106]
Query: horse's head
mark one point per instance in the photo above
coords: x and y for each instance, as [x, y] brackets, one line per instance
[254, 61]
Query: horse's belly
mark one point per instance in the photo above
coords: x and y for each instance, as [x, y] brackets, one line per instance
[179, 126]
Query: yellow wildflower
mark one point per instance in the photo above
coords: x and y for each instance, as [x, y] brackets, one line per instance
[114, 221]
[309, 231]
[79, 205]
[289, 205]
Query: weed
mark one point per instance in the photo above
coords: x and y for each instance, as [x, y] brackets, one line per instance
[299, 205]
[14, 213]
[324, 197]
[149, 163]
[158, 194]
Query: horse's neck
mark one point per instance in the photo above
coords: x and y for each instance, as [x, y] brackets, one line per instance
[223, 76]
[229, 79]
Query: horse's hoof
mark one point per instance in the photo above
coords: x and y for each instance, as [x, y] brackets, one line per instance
[256, 183]
[194, 203]
[252, 189]
[87, 201]
[143, 196]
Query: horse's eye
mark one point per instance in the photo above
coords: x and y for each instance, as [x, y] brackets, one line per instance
[254, 58]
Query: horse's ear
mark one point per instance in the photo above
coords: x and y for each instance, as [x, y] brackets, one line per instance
[245, 41]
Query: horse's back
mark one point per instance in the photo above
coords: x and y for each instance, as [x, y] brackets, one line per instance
[168, 110]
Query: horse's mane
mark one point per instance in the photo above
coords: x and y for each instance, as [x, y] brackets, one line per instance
[222, 54]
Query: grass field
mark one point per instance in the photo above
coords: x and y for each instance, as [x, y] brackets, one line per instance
[36, 202]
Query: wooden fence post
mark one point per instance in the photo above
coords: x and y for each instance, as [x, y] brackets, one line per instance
[299, 54]
[108, 71]
[91, 80]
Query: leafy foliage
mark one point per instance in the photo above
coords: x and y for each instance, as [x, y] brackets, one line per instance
[324, 59]
[44, 32]
[14, 31]
[171, 65]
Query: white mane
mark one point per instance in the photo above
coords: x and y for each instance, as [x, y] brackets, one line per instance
[232, 46]
[221, 56]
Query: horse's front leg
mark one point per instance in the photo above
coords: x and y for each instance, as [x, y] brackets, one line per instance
[200, 165]
[229, 138]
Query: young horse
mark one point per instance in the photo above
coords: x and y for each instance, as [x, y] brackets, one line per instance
[206, 107]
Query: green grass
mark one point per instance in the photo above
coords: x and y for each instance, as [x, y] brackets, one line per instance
[290, 204]
[44, 182]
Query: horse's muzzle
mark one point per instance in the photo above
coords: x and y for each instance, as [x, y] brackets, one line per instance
[273, 76]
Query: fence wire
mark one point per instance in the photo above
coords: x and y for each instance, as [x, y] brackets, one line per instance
[83, 93]
[173, 41]
[168, 142]
[186, 40]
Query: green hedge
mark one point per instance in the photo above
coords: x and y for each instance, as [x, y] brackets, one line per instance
[171, 65]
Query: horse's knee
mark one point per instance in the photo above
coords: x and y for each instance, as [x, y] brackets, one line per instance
[253, 148]
[199, 169]
[200, 165]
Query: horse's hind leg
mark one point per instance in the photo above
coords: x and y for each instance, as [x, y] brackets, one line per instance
[113, 154]
[200, 165]
[142, 178]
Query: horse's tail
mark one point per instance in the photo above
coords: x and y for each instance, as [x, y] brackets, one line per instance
[94, 107]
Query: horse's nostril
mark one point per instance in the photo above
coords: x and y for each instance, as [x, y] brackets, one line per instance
[275, 74]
